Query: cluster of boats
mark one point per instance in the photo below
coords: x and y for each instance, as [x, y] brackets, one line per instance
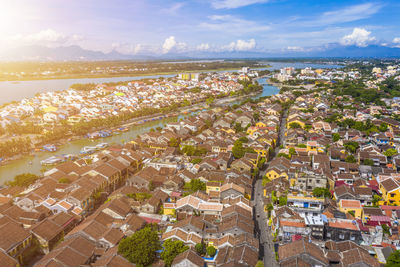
[91, 149]
[53, 160]
[87, 150]
[106, 133]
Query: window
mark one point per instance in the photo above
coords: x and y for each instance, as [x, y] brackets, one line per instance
[318, 181]
[392, 195]
[328, 234]
[352, 237]
[341, 236]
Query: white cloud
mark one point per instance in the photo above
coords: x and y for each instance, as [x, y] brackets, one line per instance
[295, 48]
[359, 37]
[47, 37]
[396, 40]
[348, 14]
[229, 4]
[203, 47]
[173, 9]
[233, 25]
[125, 48]
[170, 44]
[240, 45]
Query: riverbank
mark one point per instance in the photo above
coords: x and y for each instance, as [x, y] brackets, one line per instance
[118, 75]
[280, 85]
[130, 123]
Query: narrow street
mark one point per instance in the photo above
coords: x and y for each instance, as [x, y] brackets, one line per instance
[267, 251]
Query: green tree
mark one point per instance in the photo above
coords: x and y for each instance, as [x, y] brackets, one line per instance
[283, 155]
[196, 160]
[335, 137]
[211, 251]
[200, 248]
[292, 151]
[376, 199]
[173, 142]
[151, 186]
[383, 127]
[196, 185]
[259, 264]
[238, 150]
[64, 180]
[210, 100]
[294, 125]
[238, 127]
[321, 192]
[394, 259]
[282, 201]
[351, 146]
[390, 152]
[140, 248]
[350, 159]
[368, 162]
[23, 180]
[172, 248]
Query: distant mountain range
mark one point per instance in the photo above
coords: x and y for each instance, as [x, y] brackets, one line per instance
[77, 53]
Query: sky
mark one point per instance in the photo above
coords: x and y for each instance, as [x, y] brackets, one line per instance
[169, 26]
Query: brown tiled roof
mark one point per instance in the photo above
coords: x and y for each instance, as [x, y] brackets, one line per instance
[113, 236]
[7, 261]
[135, 222]
[374, 211]
[294, 262]
[47, 229]
[12, 234]
[299, 247]
[350, 203]
[245, 255]
[189, 255]
[357, 256]
[389, 184]
[112, 259]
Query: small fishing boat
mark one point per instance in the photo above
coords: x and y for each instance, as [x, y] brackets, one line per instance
[49, 148]
[88, 150]
[123, 129]
[51, 161]
[101, 145]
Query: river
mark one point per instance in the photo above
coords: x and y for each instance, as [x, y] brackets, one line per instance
[18, 90]
[32, 163]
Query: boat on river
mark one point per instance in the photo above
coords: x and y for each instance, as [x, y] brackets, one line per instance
[52, 161]
[49, 148]
[101, 145]
[88, 150]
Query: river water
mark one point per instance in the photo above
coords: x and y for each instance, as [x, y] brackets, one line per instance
[18, 90]
[32, 163]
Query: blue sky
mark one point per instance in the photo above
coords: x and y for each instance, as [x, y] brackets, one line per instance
[166, 26]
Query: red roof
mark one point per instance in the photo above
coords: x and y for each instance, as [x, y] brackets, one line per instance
[176, 194]
[296, 237]
[387, 207]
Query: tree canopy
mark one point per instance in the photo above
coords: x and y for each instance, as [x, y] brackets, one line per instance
[23, 180]
[321, 192]
[172, 248]
[140, 248]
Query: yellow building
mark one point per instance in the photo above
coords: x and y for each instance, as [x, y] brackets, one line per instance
[169, 208]
[273, 173]
[261, 124]
[302, 124]
[213, 186]
[251, 130]
[352, 206]
[390, 190]
[262, 152]
[315, 147]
